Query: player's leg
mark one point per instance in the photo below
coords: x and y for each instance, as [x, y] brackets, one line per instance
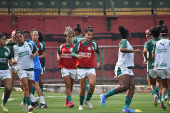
[37, 73]
[153, 77]
[92, 82]
[67, 81]
[82, 92]
[8, 86]
[129, 95]
[25, 85]
[169, 90]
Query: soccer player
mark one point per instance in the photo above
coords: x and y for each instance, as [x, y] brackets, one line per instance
[10, 43]
[5, 55]
[77, 38]
[123, 70]
[23, 57]
[37, 71]
[84, 51]
[158, 83]
[41, 51]
[148, 47]
[67, 64]
[160, 53]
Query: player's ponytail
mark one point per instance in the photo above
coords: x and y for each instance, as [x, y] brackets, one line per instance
[88, 29]
[77, 28]
[123, 32]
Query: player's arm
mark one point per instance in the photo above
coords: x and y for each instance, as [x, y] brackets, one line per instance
[146, 47]
[42, 50]
[12, 57]
[153, 52]
[34, 51]
[123, 48]
[75, 50]
[59, 53]
[96, 48]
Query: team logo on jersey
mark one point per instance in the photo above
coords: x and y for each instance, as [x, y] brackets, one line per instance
[71, 49]
[6, 53]
[163, 44]
[89, 48]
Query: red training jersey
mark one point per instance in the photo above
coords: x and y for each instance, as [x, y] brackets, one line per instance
[67, 61]
[87, 60]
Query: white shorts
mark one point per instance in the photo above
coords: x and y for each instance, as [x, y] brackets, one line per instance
[152, 73]
[66, 72]
[81, 73]
[122, 71]
[23, 73]
[164, 73]
[5, 74]
[43, 69]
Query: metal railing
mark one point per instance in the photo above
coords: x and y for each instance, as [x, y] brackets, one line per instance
[84, 7]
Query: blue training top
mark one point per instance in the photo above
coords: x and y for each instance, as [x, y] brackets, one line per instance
[37, 64]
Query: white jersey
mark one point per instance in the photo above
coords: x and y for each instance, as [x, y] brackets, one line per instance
[162, 51]
[22, 54]
[125, 59]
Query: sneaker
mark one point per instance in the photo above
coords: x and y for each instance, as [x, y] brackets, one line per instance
[4, 108]
[71, 104]
[34, 104]
[163, 104]
[80, 107]
[42, 106]
[66, 102]
[21, 104]
[103, 99]
[24, 107]
[10, 99]
[166, 98]
[127, 110]
[89, 104]
[155, 102]
[169, 103]
[159, 101]
[30, 108]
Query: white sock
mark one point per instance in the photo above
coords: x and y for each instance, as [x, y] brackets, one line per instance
[42, 100]
[32, 98]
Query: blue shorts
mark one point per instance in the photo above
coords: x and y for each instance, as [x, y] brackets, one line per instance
[37, 73]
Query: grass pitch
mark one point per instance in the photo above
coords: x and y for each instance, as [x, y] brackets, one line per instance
[114, 104]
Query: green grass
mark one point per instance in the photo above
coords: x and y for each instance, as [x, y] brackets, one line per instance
[114, 104]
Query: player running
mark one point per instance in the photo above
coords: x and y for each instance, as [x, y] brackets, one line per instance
[67, 64]
[77, 38]
[123, 70]
[148, 47]
[5, 55]
[10, 43]
[84, 51]
[37, 71]
[160, 53]
[41, 51]
[23, 57]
